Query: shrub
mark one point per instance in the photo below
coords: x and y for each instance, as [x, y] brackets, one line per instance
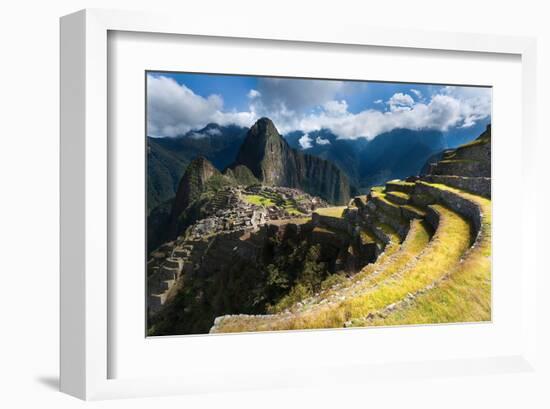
[332, 280]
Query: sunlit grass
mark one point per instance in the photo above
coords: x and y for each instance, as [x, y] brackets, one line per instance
[465, 295]
[336, 211]
[400, 183]
[450, 281]
[367, 237]
[259, 200]
[399, 194]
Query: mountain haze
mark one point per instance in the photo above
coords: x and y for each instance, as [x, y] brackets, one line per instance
[391, 155]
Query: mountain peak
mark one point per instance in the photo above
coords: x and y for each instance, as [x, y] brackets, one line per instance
[272, 161]
[192, 183]
[264, 127]
[200, 161]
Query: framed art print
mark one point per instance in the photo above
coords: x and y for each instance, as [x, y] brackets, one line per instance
[336, 204]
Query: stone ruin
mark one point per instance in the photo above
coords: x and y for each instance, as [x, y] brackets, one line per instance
[226, 213]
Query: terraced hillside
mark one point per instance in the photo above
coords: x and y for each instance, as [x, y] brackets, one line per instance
[432, 236]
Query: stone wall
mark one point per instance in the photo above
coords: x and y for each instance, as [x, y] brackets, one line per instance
[478, 185]
[336, 223]
[455, 202]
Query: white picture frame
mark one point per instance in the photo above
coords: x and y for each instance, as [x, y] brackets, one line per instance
[85, 217]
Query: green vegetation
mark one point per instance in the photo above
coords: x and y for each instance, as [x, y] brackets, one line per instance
[401, 195]
[268, 199]
[259, 200]
[336, 211]
[301, 269]
[394, 258]
[242, 176]
[465, 294]
[479, 141]
[367, 236]
[457, 161]
[397, 276]
[398, 182]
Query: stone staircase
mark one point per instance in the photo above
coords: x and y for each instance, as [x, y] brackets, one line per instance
[162, 282]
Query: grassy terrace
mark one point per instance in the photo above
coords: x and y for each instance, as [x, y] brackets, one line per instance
[475, 142]
[382, 196]
[297, 220]
[367, 237]
[401, 269]
[394, 258]
[402, 195]
[415, 209]
[456, 161]
[268, 200]
[465, 294]
[398, 182]
[423, 280]
[336, 211]
[420, 213]
[259, 200]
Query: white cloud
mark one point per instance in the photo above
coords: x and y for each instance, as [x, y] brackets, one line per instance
[305, 141]
[335, 108]
[441, 112]
[308, 106]
[213, 131]
[174, 109]
[417, 93]
[476, 102]
[297, 95]
[400, 101]
[253, 93]
[378, 101]
[197, 135]
[321, 141]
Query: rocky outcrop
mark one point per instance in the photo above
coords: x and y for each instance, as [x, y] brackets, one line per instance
[192, 184]
[272, 161]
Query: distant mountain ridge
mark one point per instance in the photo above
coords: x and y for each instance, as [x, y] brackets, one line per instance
[167, 158]
[391, 155]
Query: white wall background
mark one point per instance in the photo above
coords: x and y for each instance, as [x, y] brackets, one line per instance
[29, 204]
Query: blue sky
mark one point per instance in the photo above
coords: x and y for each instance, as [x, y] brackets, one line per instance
[180, 102]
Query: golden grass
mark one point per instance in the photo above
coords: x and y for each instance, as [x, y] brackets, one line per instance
[451, 281]
[382, 197]
[336, 211]
[465, 294]
[415, 242]
[375, 286]
[400, 182]
[399, 194]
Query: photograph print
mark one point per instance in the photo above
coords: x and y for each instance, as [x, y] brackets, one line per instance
[278, 204]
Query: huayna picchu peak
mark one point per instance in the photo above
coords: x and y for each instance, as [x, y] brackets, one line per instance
[270, 158]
